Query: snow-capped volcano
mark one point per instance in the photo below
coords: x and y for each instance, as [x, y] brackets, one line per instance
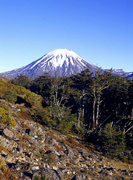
[59, 58]
[61, 62]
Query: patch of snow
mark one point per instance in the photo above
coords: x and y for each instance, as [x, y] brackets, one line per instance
[118, 70]
[36, 64]
[57, 57]
[130, 73]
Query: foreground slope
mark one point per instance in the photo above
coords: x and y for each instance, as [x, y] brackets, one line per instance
[33, 151]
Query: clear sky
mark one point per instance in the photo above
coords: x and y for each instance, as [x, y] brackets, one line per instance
[100, 31]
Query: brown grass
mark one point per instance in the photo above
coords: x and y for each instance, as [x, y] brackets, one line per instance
[73, 143]
[68, 143]
[38, 124]
[51, 159]
[24, 125]
[25, 138]
[68, 164]
[23, 144]
[34, 145]
[47, 148]
[6, 173]
[25, 115]
[2, 148]
[41, 167]
[123, 166]
[59, 148]
[53, 136]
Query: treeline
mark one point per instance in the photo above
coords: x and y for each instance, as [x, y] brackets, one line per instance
[99, 107]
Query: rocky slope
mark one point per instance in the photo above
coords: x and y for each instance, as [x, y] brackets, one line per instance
[33, 151]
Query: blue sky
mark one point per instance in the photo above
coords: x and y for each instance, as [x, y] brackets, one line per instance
[100, 31]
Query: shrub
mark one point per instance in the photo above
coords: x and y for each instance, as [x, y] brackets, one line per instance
[41, 177]
[2, 114]
[6, 118]
[22, 80]
[112, 140]
[12, 121]
[33, 98]
[10, 96]
[4, 106]
[2, 88]
[41, 117]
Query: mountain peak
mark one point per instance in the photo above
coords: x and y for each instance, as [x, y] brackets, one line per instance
[63, 52]
[62, 57]
[60, 62]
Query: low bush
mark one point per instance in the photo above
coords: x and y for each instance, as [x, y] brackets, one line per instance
[112, 140]
[6, 118]
[4, 105]
[10, 96]
[41, 177]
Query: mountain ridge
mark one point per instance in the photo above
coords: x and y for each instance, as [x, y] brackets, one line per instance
[60, 62]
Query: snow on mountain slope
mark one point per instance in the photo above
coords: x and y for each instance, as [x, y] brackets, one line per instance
[61, 62]
[122, 73]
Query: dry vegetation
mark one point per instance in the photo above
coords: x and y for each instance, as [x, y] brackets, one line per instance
[5, 173]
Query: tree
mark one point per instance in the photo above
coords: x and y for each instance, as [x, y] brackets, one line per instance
[112, 140]
[130, 92]
[22, 80]
[117, 102]
[82, 83]
[100, 82]
[42, 86]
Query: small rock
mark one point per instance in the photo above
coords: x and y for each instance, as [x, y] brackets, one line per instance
[69, 153]
[10, 159]
[49, 141]
[55, 167]
[3, 152]
[9, 134]
[35, 168]
[85, 154]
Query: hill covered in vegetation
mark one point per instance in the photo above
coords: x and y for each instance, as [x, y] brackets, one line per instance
[66, 127]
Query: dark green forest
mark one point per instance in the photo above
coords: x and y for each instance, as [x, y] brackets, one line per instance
[98, 107]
